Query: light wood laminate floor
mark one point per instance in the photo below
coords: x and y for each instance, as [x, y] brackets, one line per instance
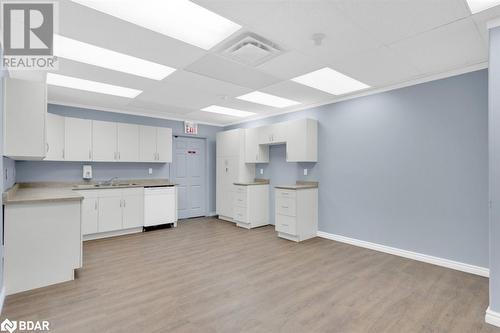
[210, 276]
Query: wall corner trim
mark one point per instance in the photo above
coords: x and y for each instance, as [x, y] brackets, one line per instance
[459, 266]
[492, 317]
[211, 214]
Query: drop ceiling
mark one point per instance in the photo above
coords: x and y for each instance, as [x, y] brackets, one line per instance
[382, 43]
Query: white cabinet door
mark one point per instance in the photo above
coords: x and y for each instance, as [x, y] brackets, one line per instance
[164, 144]
[55, 137]
[302, 140]
[25, 110]
[133, 211]
[255, 152]
[147, 143]
[103, 141]
[110, 213]
[128, 142]
[90, 213]
[78, 139]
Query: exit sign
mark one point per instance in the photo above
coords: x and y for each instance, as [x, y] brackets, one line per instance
[190, 127]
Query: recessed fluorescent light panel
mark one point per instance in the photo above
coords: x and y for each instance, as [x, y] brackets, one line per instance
[93, 86]
[480, 5]
[267, 99]
[227, 111]
[330, 81]
[179, 19]
[94, 55]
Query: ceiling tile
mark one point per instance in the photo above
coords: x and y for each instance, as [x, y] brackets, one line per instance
[298, 92]
[290, 64]
[390, 21]
[377, 67]
[91, 26]
[452, 46]
[80, 97]
[291, 24]
[99, 74]
[229, 71]
[190, 90]
[157, 107]
[212, 117]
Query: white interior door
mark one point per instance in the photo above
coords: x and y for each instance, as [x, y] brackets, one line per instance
[188, 171]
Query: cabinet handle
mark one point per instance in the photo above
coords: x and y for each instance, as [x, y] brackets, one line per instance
[115, 155]
[284, 207]
[90, 154]
[119, 155]
[47, 144]
[124, 203]
[95, 205]
[63, 154]
[284, 225]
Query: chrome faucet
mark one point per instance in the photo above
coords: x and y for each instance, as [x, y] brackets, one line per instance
[109, 182]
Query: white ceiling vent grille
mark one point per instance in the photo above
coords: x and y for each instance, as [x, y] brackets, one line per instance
[251, 49]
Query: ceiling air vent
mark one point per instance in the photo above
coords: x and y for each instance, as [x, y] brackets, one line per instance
[251, 49]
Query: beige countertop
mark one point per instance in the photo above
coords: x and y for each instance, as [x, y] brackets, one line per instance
[62, 191]
[299, 185]
[124, 184]
[255, 182]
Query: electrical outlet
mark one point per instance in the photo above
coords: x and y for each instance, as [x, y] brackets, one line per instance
[150, 171]
[261, 171]
[305, 172]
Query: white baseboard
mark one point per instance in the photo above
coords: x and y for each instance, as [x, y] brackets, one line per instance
[460, 266]
[2, 298]
[492, 317]
[112, 233]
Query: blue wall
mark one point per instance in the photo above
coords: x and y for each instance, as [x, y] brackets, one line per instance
[405, 168]
[27, 171]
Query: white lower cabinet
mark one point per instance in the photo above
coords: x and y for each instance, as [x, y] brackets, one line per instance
[133, 209]
[296, 213]
[90, 215]
[251, 205]
[111, 210]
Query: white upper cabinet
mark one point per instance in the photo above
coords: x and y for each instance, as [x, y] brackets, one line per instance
[25, 110]
[104, 141]
[255, 152]
[300, 137]
[128, 142]
[164, 144]
[55, 137]
[155, 144]
[302, 140]
[147, 142]
[78, 139]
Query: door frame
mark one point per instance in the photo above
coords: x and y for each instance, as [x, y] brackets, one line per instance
[205, 169]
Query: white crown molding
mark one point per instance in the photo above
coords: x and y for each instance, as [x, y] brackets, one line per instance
[459, 266]
[133, 113]
[491, 24]
[369, 92]
[492, 317]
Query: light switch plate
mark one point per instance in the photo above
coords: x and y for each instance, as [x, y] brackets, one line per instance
[305, 172]
[261, 171]
[150, 171]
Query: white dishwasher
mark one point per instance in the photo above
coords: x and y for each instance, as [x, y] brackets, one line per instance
[160, 205]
